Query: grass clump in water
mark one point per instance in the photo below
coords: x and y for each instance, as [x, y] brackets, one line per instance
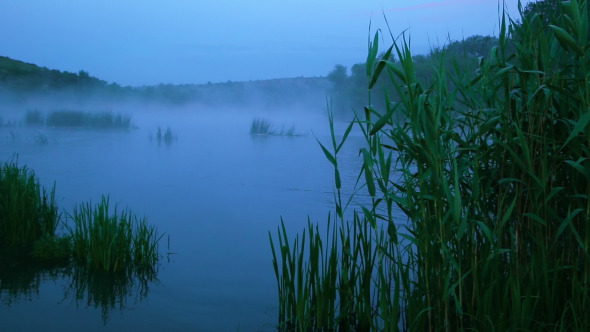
[263, 127]
[79, 119]
[165, 136]
[113, 241]
[28, 212]
[490, 166]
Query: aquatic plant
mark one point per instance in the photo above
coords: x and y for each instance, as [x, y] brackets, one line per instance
[28, 211]
[166, 137]
[493, 176]
[262, 126]
[110, 241]
[98, 120]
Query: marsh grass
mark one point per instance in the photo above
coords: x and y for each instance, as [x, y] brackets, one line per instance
[79, 119]
[261, 126]
[115, 253]
[264, 127]
[165, 136]
[113, 241]
[493, 175]
[28, 212]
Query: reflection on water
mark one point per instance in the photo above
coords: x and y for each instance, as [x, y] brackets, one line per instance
[21, 279]
[108, 291]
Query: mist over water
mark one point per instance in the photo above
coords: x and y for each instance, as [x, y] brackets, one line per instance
[215, 190]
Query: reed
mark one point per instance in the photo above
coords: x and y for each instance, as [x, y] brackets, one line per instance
[113, 241]
[28, 212]
[491, 166]
[79, 119]
[261, 126]
[264, 127]
[165, 136]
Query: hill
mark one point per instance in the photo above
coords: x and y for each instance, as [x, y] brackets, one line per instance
[21, 76]
[20, 80]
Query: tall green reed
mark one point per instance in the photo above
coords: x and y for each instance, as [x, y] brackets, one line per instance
[491, 166]
[113, 241]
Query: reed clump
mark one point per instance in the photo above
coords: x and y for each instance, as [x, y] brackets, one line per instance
[28, 212]
[261, 126]
[113, 241]
[493, 179]
[165, 136]
[80, 119]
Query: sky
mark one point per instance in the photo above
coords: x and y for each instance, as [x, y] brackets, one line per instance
[148, 42]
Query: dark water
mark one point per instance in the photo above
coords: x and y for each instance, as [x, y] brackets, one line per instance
[216, 192]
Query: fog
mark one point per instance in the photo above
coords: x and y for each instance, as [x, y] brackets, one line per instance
[154, 105]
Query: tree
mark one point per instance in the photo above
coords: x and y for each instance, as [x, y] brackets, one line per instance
[548, 9]
[338, 75]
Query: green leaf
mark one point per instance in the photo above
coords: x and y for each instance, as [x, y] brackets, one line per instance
[372, 56]
[348, 129]
[328, 154]
[368, 169]
[382, 122]
[578, 128]
[566, 40]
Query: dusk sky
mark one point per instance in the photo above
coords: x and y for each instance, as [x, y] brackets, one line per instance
[133, 42]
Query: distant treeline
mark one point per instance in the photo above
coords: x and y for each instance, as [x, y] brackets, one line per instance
[20, 80]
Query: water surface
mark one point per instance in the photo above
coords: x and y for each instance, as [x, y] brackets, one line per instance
[216, 191]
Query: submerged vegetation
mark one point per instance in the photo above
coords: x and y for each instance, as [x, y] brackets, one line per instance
[492, 179]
